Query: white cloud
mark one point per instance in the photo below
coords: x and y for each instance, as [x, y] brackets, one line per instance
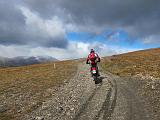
[44, 27]
[153, 39]
[12, 51]
[74, 50]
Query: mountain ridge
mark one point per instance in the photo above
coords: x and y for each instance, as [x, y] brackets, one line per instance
[24, 60]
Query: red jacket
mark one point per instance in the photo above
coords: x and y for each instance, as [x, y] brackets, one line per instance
[90, 59]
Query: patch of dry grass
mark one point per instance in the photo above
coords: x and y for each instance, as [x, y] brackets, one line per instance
[23, 89]
[146, 62]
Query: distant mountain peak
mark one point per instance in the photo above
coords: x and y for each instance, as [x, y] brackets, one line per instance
[24, 60]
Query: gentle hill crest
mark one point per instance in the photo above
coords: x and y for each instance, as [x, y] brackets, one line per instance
[145, 62]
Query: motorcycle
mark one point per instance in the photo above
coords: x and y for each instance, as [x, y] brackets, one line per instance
[94, 72]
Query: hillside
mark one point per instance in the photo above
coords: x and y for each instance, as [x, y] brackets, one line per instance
[145, 62]
[23, 60]
[54, 90]
[23, 89]
[142, 68]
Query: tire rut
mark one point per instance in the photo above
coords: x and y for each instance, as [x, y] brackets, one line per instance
[84, 106]
[129, 105]
[105, 107]
[109, 103]
[75, 100]
[81, 99]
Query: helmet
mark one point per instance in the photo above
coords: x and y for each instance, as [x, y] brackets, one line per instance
[92, 50]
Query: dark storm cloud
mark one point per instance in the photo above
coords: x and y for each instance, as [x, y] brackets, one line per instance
[11, 24]
[46, 8]
[14, 30]
[140, 18]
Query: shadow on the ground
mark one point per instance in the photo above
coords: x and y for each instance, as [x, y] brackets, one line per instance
[100, 79]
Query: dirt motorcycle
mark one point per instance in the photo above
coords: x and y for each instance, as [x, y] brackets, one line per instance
[94, 72]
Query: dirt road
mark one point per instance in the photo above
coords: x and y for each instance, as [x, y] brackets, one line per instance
[129, 105]
[80, 99]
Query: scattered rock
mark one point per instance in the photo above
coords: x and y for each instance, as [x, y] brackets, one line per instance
[68, 114]
[72, 109]
[39, 118]
[49, 115]
[61, 109]
[67, 101]
[3, 108]
[153, 87]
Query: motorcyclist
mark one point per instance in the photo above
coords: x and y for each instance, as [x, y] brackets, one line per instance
[92, 59]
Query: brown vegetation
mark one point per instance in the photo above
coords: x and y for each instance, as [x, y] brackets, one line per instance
[23, 89]
[145, 62]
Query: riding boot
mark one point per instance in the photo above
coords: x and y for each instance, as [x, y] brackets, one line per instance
[98, 72]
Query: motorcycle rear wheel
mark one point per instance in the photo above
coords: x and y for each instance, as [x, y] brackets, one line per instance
[95, 79]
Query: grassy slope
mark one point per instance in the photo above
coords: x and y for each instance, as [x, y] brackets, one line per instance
[23, 89]
[144, 63]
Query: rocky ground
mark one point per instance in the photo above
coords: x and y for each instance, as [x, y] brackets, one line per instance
[140, 69]
[114, 98]
[24, 89]
[78, 99]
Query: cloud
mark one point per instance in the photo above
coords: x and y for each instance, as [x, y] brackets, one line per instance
[73, 51]
[21, 26]
[11, 24]
[50, 32]
[140, 18]
[41, 26]
[155, 39]
[45, 21]
[14, 50]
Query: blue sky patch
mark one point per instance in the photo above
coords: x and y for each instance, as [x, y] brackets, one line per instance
[113, 38]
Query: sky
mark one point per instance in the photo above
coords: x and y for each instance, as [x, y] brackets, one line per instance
[68, 29]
